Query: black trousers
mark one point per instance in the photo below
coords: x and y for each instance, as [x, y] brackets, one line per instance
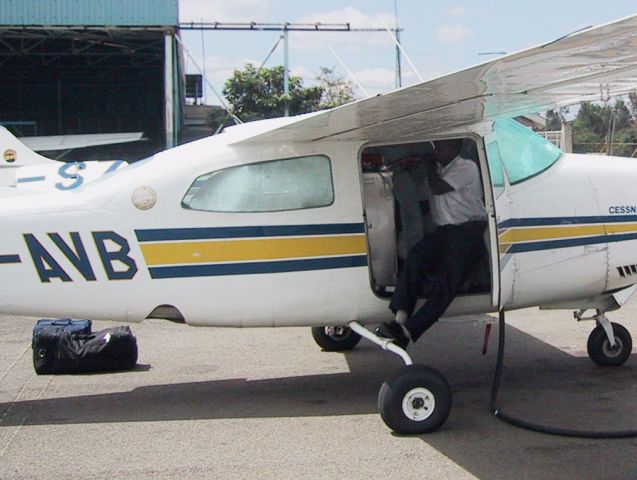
[444, 257]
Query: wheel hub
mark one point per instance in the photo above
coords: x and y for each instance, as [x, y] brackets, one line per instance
[337, 333]
[418, 404]
[612, 351]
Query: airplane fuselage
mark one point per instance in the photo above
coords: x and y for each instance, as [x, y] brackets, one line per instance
[127, 247]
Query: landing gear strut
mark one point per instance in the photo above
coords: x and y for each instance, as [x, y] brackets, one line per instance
[418, 400]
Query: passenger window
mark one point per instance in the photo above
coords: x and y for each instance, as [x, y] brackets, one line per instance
[524, 153]
[290, 184]
[495, 168]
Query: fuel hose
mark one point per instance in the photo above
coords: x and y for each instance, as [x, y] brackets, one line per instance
[551, 430]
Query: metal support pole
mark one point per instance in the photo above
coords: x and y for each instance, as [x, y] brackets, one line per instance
[286, 79]
[399, 79]
[203, 57]
[566, 143]
[169, 91]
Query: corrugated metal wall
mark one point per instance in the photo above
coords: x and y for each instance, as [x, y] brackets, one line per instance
[89, 12]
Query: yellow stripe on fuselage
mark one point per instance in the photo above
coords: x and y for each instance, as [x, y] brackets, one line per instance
[549, 233]
[621, 228]
[171, 253]
[513, 236]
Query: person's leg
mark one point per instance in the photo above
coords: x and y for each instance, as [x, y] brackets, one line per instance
[463, 244]
[423, 258]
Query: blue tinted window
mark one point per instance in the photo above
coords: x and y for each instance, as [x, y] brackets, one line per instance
[495, 167]
[524, 153]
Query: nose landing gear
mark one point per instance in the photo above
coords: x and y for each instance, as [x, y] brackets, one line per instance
[609, 344]
[417, 400]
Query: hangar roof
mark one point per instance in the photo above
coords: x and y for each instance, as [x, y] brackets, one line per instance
[89, 13]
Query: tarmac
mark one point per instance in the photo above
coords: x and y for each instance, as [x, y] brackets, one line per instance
[269, 404]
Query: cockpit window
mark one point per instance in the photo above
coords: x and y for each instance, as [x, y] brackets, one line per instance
[273, 186]
[524, 153]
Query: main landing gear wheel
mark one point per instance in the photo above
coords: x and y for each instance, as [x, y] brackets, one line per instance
[335, 339]
[416, 401]
[600, 350]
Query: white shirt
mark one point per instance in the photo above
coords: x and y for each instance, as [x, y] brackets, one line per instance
[465, 202]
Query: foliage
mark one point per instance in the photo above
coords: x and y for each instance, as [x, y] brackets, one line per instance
[335, 91]
[607, 128]
[555, 119]
[217, 117]
[257, 93]
[632, 99]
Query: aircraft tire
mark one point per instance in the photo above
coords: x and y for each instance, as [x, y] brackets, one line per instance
[335, 339]
[416, 401]
[602, 354]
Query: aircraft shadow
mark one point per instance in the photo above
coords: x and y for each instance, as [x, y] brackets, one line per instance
[541, 384]
[453, 349]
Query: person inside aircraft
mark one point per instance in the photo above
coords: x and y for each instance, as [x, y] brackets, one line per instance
[446, 256]
[411, 193]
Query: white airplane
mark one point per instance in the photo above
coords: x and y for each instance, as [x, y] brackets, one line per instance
[290, 222]
[21, 167]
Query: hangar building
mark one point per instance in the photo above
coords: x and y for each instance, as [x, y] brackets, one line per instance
[87, 66]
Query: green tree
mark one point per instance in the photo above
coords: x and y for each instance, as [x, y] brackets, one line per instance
[258, 93]
[597, 128]
[217, 117]
[627, 140]
[554, 119]
[632, 100]
[336, 91]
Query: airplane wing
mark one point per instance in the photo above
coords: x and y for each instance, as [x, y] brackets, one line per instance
[70, 142]
[590, 65]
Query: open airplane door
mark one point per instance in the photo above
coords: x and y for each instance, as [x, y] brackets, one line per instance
[502, 283]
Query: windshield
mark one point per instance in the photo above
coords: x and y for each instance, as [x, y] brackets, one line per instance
[524, 153]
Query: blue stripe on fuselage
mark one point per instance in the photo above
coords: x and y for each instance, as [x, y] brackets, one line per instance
[258, 267]
[168, 234]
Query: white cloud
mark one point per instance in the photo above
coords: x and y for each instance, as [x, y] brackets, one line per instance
[457, 11]
[376, 80]
[223, 10]
[352, 42]
[452, 34]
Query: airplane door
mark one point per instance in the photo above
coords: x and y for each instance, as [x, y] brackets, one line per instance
[502, 261]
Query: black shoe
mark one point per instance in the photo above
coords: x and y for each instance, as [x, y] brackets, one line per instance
[393, 331]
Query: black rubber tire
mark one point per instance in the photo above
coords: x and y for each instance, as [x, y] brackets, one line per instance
[344, 338]
[599, 349]
[414, 377]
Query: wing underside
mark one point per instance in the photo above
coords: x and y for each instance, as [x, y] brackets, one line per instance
[591, 65]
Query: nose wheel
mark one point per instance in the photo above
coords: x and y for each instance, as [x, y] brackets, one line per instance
[606, 354]
[416, 401]
[609, 344]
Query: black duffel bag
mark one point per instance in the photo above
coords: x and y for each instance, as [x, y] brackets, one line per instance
[56, 350]
[73, 326]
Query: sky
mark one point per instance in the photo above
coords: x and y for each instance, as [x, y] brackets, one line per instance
[439, 37]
